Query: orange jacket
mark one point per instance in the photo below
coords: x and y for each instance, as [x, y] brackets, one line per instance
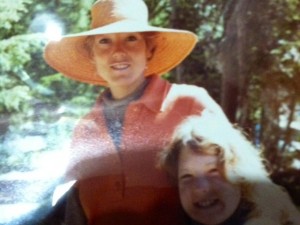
[124, 186]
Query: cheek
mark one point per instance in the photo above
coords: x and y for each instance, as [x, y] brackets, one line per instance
[138, 54]
[236, 192]
[100, 55]
[139, 50]
[101, 68]
[231, 195]
[185, 194]
[99, 64]
[100, 58]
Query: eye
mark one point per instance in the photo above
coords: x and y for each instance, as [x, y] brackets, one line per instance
[214, 172]
[104, 41]
[132, 38]
[185, 178]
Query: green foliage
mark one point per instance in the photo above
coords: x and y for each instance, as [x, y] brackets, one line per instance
[10, 12]
[17, 50]
[16, 54]
[283, 76]
[159, 12]
[286, 31]
[206, 20]
[264, 53]
[34, 99]
[12, 99]
[288, 56]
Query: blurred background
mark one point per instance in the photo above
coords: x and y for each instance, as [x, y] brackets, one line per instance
[247, 57]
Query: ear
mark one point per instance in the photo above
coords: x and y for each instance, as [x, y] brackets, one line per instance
[150, 50]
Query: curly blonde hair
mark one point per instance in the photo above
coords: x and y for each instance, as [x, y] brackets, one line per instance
[243, 165]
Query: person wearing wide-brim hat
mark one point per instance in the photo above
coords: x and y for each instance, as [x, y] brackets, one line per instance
[114, 147]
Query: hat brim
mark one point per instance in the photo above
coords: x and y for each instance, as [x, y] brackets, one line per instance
[69, 56]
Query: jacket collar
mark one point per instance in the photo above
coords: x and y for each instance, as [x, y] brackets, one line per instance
[153, 96]
[155, 93]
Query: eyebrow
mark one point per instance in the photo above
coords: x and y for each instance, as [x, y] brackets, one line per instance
[209, 164]
[215, 163]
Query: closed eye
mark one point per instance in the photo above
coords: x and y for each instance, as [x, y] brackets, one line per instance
[214, 172]
[185, 177]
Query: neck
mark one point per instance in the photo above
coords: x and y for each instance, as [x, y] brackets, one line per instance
[119, 92]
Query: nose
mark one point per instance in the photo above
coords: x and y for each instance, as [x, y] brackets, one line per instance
[119, 51]
[202, 185]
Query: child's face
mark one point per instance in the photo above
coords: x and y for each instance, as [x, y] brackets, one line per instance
[204, 193]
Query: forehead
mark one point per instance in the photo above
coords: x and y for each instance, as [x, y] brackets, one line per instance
[189, 158]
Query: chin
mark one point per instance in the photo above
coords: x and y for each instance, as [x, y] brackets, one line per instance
[210, 219]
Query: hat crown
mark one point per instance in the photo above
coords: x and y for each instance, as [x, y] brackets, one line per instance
[105, 12]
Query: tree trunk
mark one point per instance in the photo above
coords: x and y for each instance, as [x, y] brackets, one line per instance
[240, 51]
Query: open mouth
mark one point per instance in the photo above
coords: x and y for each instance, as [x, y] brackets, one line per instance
[120, 66]
[206, 204]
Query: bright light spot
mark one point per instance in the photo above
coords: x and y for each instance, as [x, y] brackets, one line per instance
[44, 162]
[295, 125]
[60, 190]
[11, 212]
[28, 143]
[48, 24]
[61, 110]
[53, 31]
[296, 164]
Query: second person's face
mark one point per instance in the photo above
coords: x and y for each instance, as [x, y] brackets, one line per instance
[205, 194]
[121, 58]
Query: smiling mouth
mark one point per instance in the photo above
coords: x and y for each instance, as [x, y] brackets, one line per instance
[206, 204]
[120, 66]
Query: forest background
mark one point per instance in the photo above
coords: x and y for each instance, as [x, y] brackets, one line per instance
[247, 57]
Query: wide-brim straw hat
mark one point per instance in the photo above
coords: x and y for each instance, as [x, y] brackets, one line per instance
[70, 56]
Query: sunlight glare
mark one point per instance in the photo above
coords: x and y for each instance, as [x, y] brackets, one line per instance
[60, 190]
[53, 31]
